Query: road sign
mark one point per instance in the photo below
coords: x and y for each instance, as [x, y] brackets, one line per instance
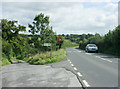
[59, 39]
[47, 44]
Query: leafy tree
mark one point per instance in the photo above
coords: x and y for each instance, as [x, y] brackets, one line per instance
[41, 26]
[12, 42]
[10, 29]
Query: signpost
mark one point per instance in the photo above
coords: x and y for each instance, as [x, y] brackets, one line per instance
[48, 44]
[60, 41]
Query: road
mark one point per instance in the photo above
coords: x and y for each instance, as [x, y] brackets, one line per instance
[79, 69]
[94, 69]
[26, 75]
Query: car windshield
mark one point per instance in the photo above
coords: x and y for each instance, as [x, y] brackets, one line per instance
[92, 45]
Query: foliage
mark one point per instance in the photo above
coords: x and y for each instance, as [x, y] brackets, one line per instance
[17, 46]
[10, 29]
[68, 44]
[13, 43]
[109, 43]
[41, 32]
[4, 60]
[44, 58]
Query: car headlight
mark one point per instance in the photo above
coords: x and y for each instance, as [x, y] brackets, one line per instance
[96, 48]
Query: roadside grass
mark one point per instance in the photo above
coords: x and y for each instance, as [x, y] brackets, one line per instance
[14, 59]
[68, 44]
[44, 58]
[4, 61]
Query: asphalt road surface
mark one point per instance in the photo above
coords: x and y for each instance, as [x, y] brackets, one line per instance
[79, 69]
[26, 75]
[94, 69]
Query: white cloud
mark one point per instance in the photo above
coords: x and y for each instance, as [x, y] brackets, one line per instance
[66, 17]
[60, 0]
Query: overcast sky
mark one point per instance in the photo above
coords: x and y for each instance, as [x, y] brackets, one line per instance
[66, 17]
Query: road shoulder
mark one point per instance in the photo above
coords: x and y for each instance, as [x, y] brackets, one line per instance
[26, 75]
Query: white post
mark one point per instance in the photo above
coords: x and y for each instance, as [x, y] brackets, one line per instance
[51, 51]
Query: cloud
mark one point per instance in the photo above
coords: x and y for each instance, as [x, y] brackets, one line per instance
[61, 1]
[66, 17]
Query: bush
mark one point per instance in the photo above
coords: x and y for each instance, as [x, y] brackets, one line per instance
[43, 58]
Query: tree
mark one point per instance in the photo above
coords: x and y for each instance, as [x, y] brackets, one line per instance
[40, 26]
[10, 29]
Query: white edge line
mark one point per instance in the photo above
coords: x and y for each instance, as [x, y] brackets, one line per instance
[104, 59]
[79, 74]
[86, 83]
[75, 68]
[72, 65]
[109, 60]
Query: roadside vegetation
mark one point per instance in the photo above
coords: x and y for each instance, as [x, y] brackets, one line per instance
[68, 44]
[45, 58]
[108, 43]
[30, 48]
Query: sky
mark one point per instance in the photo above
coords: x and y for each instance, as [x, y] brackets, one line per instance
[66, 17]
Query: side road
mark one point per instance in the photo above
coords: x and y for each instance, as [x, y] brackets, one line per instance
[26, 75]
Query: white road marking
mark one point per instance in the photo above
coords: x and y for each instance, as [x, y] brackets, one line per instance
[75, 68]
[79, 74]
[109, 60]
[72, 65]
[88, 53]
[104, 59]
[86, 83]
[97, 56]
[70, 62]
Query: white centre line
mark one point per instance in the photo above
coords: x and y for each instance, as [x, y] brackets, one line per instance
[79, 74]
[70, 62]
[86, 84]
[72, 65]
[75, 68]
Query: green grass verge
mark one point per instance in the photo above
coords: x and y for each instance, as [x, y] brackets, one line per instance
[44, 58]
[68, 44]
[4, 61]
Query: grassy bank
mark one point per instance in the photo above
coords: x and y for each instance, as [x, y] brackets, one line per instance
[57, 56]
[4, 61]
[44, 58]
[68, 44]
